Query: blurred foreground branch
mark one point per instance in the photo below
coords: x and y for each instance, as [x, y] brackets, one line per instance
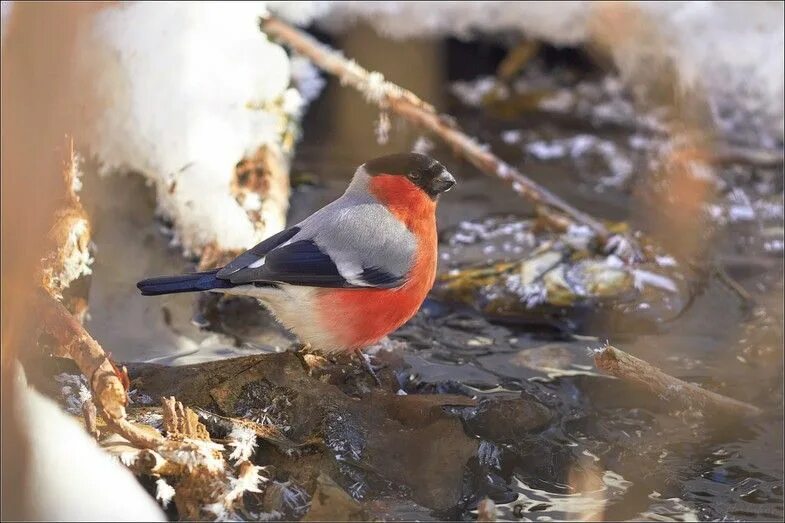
[204, 481]
[629, 368]
[389, 96]
[74, 342]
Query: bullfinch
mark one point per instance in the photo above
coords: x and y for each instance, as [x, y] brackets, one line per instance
[352, 272]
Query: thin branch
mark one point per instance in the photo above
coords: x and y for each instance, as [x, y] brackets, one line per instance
[627, 367]
[758, 157]
[734, 286]
[389, 96]
[74, 342]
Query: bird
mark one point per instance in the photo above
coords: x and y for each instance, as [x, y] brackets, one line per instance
[352, 272]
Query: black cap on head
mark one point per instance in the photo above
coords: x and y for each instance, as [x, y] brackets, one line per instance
[421, 170]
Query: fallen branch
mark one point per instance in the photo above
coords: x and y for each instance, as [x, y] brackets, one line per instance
[745, 297]
[74, 342]
[624, 366]
[64, 271]
[732, 154]
[389, 96]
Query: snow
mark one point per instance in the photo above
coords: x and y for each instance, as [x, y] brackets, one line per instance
[69, 476]
[193, 88]
[306, 78]
[195, 452]
[164, 492]
[565, 24]
[733, 50]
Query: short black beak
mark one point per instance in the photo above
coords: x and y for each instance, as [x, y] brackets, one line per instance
[442, 183]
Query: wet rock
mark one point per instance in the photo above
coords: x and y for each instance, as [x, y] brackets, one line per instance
[394, 508]
[430, 460]
[483, 478]
[521, 272]
[417, 409]
[287, 499]
[508, 420]
[346, 372]
[379, 439]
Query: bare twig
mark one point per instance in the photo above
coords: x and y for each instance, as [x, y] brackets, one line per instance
[390, 97]
[746, 298]
[622, 365]
[74, 342]
[730, 154]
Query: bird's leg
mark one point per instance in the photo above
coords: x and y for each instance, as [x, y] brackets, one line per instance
[366, 363]
[301, 351]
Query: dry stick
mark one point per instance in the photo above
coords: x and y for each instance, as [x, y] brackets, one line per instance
[74, 342]
[730, 154]
[622, 365]
[746, 298]
[389, 96]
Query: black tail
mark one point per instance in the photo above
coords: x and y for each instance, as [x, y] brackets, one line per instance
[195, 282]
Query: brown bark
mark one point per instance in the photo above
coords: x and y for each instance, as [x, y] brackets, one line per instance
[74, 342]
[673, 390]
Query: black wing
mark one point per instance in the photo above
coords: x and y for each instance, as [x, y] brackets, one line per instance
[304, 263]
[256, 252]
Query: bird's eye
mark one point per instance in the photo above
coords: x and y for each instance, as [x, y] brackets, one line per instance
[414, 176]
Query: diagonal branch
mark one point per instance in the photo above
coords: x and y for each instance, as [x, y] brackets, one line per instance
[406, 104]
[74, 342]
[673, 390]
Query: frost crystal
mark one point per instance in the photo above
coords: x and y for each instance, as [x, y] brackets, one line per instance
[243, 441]
[222, 512]
[375, 87]
[247, 481]
[200, 453]
[163, 492]
[128, 458]
[74, 391]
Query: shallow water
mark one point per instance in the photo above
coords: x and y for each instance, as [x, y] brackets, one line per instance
[613, 452]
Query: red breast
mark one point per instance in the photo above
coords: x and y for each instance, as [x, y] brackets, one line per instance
[361, 317]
